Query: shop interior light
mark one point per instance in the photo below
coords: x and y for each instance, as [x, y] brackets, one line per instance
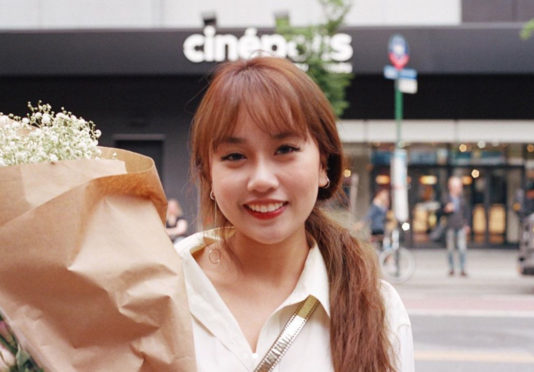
[475, 173]
[466, 180]
[428, 180]
[481, 144]
[530, 148]
[463, 147]
[406, 226]
[382, 179]
[347, 173]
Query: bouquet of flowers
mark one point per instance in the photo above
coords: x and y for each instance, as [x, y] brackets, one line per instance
[89, 280]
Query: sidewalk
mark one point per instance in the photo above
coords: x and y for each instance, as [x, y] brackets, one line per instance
[494, 286]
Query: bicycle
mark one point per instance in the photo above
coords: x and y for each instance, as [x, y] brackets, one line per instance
[397, 263]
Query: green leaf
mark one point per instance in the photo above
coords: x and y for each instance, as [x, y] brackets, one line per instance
[22, 358]
[8, 345]
[527, 30]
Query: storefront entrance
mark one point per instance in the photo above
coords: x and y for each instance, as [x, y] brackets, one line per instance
[489, 190]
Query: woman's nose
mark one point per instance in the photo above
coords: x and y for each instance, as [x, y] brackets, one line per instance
[262, 177]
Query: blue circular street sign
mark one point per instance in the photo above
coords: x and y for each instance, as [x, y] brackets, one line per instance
[399, 53]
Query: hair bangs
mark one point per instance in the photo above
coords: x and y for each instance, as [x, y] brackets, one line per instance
[273, 105]
[266, 98]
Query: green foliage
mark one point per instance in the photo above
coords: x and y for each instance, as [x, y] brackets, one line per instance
[312, 45]
[527, 30]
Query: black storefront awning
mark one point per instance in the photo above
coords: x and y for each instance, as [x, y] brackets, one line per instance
[469, 49]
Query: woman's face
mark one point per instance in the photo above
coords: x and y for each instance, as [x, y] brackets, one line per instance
[266, 184]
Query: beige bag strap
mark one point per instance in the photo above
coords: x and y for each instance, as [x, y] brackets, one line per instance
[288, 335]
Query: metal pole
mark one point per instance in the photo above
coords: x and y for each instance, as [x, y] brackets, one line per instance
[398, 120]
[398, 112]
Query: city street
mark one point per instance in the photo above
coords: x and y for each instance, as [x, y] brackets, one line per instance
[481, 323]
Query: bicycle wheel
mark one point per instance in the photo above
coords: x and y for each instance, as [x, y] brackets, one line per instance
[397, 265]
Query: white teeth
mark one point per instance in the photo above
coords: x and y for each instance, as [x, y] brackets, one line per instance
[264, 208]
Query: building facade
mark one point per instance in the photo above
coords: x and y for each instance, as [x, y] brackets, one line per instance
[138, 69]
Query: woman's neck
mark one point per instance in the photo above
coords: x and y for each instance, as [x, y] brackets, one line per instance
[272, 262]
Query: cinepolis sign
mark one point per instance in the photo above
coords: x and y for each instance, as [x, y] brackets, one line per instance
[212, 47]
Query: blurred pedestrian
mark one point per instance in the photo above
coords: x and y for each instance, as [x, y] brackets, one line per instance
[375, 219]
[176, 224]
[377, 214]
[457, 211]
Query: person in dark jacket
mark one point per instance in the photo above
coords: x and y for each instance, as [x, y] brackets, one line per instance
[376, 216]
[456, 209]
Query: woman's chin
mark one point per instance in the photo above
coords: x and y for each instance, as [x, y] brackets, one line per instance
[274, 236]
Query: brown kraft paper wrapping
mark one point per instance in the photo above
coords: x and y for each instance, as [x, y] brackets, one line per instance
[89, 280]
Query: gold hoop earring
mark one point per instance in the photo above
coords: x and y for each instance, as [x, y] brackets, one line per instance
[327, 184]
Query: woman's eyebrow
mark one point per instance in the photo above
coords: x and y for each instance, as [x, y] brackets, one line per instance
[233, 140]
[284, 135]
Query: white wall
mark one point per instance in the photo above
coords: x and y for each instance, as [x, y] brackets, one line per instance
[428, 131]
[83, 14]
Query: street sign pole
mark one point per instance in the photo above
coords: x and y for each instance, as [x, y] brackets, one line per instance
[404, 82]
[398, 113]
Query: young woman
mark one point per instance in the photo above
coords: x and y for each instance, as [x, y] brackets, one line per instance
[267, 155]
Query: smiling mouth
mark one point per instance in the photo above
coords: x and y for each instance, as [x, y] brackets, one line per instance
[265, 208]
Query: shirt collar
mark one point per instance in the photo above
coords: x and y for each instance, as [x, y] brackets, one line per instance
[313, 280]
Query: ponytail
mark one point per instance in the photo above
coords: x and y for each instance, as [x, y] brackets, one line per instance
[358, 333]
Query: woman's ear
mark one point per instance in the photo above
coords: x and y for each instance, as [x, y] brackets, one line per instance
[323, 177]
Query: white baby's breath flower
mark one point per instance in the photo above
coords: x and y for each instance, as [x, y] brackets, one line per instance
[46, 137]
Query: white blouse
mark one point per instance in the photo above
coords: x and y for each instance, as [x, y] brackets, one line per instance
[221, 346]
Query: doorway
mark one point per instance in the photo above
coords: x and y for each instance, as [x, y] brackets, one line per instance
[148, 145]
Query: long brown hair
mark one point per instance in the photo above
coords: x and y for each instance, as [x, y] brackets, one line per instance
[278, 96]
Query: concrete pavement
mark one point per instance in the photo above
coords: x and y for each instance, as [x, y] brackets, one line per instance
[482, 323]
[493, 286]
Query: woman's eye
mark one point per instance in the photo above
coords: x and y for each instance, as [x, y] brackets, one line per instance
[233, 157]
[287, 149]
